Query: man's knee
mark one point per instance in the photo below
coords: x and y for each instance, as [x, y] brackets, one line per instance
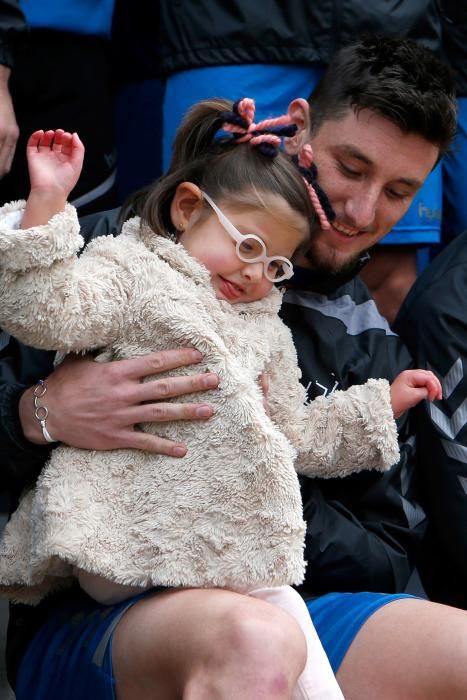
[267, 638]
[201, 644]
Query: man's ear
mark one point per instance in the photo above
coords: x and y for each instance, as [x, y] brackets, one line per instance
[187, 201]
[299, 113]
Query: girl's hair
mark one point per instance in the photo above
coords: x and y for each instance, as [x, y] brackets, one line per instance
[223, 168]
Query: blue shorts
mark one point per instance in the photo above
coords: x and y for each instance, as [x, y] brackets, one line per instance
[273, 87]
[71, 656]
[338, 617]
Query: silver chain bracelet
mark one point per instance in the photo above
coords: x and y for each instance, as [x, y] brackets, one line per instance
[40, 411]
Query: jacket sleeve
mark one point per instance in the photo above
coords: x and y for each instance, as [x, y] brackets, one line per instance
[433, 323]
[454, 26]
[335, 435]
[51, 298]
[363, 532]
[13, 30]
[20, 460]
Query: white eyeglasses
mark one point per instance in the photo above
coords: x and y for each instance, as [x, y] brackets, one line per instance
[251, 249]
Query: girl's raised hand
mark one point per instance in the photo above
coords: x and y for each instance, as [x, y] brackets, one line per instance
[55, 159]
[412, 386]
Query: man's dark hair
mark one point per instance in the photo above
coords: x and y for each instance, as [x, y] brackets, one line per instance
[396, 78]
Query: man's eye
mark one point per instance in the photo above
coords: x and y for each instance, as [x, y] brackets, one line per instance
[348, 171]
[394, 194]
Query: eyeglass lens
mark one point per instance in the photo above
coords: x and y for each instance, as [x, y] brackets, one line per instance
[251, 249]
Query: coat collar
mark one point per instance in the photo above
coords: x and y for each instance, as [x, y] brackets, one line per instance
[175, 255]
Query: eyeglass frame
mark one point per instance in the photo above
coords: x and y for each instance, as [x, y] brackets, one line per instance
[240, 238]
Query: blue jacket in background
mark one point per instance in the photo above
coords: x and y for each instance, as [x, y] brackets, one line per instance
[92, 17]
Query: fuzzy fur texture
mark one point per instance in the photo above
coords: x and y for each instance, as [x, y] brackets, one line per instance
[229, 513]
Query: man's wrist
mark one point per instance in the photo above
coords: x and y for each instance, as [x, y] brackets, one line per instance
[5, 72]
[29, 424]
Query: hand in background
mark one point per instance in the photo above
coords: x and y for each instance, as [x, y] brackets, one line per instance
[411, 387]
[9, 131]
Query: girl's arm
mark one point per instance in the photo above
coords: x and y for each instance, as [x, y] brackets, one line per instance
[50, 298]
[347, 431]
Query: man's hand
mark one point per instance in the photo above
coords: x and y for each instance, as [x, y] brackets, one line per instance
[9, 131]
[96, 406]
[412, 386]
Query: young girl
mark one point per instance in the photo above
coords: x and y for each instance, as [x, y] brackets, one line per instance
[199, 268]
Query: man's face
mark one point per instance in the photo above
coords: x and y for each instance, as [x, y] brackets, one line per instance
[370, 171]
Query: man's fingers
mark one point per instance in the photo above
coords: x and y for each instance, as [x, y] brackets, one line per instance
[9, 158]
[3, 160]
[7, 152]
[142, 441]
[164, 412]
[175, 386]
[139, 367]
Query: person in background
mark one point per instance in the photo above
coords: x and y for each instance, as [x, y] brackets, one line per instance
[56, 69]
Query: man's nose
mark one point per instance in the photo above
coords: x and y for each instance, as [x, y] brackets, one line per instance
[360, 209]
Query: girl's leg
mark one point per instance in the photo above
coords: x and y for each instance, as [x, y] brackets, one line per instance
[103, 590]
[317, 680]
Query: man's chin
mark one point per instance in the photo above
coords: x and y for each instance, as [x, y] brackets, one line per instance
[331, 263]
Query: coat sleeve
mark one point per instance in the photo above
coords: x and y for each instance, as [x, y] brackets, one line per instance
[52, 299]
[20, 367]
[335, 435]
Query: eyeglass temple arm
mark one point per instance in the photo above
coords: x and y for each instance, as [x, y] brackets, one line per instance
[229, 227]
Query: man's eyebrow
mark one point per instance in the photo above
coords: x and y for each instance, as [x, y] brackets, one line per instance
[410, 182]
[356, 153]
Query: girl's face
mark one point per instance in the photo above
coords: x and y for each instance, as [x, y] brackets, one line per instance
[234, 280]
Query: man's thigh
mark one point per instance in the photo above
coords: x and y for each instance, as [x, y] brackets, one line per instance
[339, 617]
[409, 649]
[205, 643]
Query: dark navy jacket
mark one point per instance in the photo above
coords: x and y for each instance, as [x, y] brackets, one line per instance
[433, 323]
[363, 530]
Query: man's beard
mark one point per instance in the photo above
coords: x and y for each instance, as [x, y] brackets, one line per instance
[330, 266]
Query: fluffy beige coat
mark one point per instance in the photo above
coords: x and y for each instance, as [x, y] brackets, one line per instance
[229, 513]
